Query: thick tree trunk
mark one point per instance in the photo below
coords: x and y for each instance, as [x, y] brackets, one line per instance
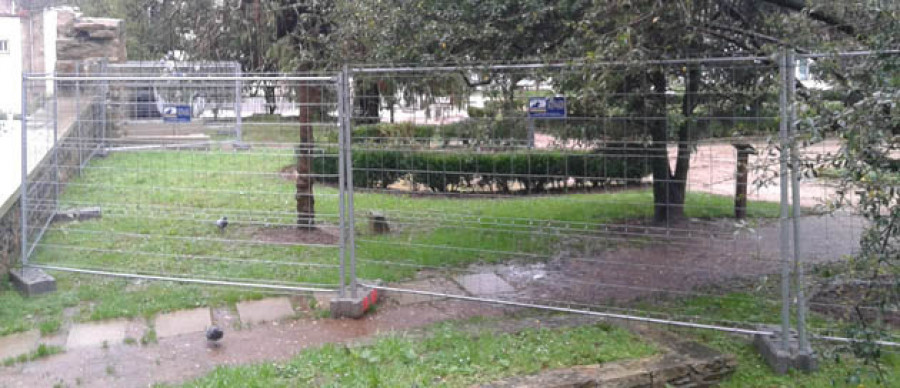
[670, 189]
[306, 213]
[654, 105]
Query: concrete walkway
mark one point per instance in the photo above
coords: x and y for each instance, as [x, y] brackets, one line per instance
[103, 334]
[107, 354]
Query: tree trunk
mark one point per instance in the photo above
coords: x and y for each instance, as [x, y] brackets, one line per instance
[670, 189]
[306, 213]
[369, 103]
[509, 94]
[271, 105]
[654, 105]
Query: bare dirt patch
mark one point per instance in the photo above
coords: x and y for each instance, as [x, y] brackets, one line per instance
[608, 271]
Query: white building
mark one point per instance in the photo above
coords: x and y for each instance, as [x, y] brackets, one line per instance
[27, 45]
[11, 59]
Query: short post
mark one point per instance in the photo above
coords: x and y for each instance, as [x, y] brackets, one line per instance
[530, 133]
[740, 190]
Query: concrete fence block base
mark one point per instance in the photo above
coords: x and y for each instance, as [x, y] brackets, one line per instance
[32, 281]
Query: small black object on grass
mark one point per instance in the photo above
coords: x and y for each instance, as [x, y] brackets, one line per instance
[213, 335]
[222, 223]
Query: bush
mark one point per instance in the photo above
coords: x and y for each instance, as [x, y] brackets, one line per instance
[443, 171]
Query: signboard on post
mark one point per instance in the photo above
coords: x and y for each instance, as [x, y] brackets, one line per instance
[177, 113]
[547, 107]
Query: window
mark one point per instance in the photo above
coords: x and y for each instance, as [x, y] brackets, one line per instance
[4, 46]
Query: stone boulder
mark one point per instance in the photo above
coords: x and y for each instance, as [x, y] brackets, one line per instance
[84, 39]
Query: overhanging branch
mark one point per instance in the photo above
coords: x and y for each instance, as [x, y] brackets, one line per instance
[815, 14]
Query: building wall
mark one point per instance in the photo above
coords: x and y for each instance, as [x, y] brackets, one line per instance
[7, 7]
[11, 63]
[70, 153]
[49, 46]
[32, 42]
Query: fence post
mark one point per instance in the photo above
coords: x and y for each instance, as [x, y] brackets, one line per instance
[530, 132]
[784, 223]
[79, 138]
[342, 214]
[104, 101]
[238, 105]
[348, 170]
[740, 189]
[23, 193]
[795, 200]
[55, 148]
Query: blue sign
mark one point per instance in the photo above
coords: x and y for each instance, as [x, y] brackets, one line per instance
[547, 107]
[176, 113]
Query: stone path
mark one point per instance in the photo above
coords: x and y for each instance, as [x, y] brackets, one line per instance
[107, 333]
[181, 353]
[96, 334]
[183, 322]
[17, 344]
[266, 310]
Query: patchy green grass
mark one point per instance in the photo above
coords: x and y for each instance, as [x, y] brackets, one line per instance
[42, 351]
[96, 298]
[836, 369]
[447, 357]
[149, 337]
[160, 209]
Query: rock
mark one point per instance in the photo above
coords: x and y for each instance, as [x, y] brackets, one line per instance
[32, 281]
[95, 24]
[83, 39]
[64, 21]
[103, 34]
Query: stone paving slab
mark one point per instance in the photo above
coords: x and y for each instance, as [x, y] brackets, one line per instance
[265, 310]
[18, 344]
[95, 334]
[438, 285]
[484, 284]
[182, 322]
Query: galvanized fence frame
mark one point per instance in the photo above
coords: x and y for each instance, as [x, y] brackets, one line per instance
[100, 144]
[791, 249]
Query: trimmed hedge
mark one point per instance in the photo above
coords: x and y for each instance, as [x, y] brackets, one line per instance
[443, 171]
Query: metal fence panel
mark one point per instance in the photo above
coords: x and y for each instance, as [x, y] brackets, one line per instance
[665, 191]
[155, 162]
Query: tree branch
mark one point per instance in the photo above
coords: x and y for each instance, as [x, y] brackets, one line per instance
[754, 34]
[800, 5]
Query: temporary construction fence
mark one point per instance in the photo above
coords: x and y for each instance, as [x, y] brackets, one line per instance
[636, 190]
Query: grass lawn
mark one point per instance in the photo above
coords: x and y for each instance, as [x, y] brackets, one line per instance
[451, 357]
[836, 369]
[160, 209]
[160, 204]
[447, 357]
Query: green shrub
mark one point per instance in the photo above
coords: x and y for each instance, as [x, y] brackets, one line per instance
[442, 170]
[476, 112]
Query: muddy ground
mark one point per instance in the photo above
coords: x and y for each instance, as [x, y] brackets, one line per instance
[188, 356]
